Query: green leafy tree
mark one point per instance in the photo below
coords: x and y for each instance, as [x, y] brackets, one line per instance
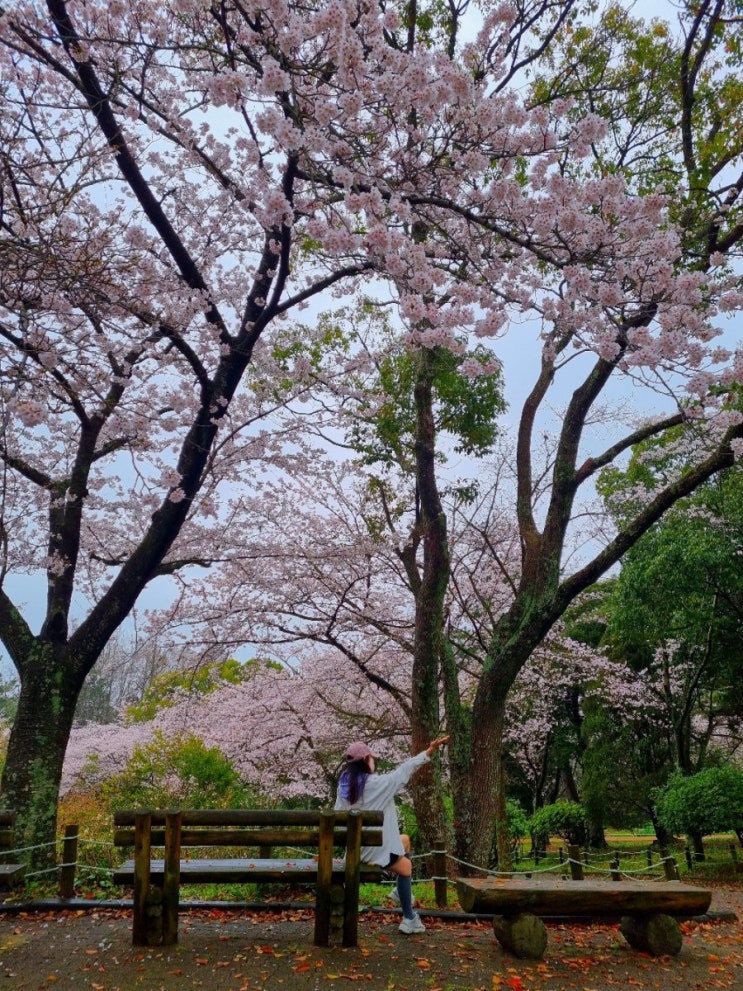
[675, 616]
[704, 803]
[627, 755]
[179, 772]
[565, 819]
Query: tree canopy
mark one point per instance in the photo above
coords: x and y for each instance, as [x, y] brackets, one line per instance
[177, 179]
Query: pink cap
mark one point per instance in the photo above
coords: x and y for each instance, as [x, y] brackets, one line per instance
[359, 751]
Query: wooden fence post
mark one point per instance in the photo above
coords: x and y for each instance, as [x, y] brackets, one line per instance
[669, 866]
[439, 872]
[576, 867]
[69, 862]
[734, 857]
[614, 864]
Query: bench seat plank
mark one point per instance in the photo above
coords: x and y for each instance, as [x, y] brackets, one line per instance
[557, 897]
[243, 871]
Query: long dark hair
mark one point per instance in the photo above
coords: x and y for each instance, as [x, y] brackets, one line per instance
[353, 780]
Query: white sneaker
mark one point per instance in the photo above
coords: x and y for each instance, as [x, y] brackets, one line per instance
[393, 896]
[412, 926]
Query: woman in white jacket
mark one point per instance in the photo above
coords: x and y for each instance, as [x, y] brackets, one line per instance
[359, 787]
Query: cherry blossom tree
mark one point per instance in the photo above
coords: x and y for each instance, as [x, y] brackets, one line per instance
[281, 728]
[626, 287]
[174, 179]
[627, 338]
[180, 176]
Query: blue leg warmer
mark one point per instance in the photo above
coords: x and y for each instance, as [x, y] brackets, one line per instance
[405, 891]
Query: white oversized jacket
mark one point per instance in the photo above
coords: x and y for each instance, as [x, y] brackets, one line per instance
[379, 795]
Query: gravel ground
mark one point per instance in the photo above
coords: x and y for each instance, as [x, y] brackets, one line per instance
[246, 951]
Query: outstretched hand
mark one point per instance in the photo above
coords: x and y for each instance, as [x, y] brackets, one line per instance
[435, 744]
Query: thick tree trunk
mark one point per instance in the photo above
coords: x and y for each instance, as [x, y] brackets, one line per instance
[475, 802]
[661, 833]
[430, 588]
[596, 835]
[697, 845]
[502, 835]
[516, 635]
[36, 750]
[459, 725]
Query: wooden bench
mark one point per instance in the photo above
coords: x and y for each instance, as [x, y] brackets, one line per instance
[10, 874]
[157, 883]
[648, 911]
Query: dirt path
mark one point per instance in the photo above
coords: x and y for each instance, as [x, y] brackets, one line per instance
[230, 951]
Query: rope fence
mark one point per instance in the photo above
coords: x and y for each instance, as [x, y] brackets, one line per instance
[576, 864]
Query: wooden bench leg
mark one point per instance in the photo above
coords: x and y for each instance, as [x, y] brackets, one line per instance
[524, 935]
[659, 935]
[323, 906]
[171, 877]
[337, 906]
[153, 920]
[144, 908]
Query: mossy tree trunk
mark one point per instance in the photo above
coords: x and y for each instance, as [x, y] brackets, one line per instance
[36, 750]
[429, 584]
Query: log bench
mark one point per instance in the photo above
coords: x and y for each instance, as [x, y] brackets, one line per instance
[10, 874]
[648, 911]
[156, 882]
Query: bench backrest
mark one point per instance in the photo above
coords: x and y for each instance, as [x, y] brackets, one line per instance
[245, 827]
[7, 833]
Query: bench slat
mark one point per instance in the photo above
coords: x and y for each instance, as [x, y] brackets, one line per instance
[243, 817]
[250, 837]
[244, 871]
